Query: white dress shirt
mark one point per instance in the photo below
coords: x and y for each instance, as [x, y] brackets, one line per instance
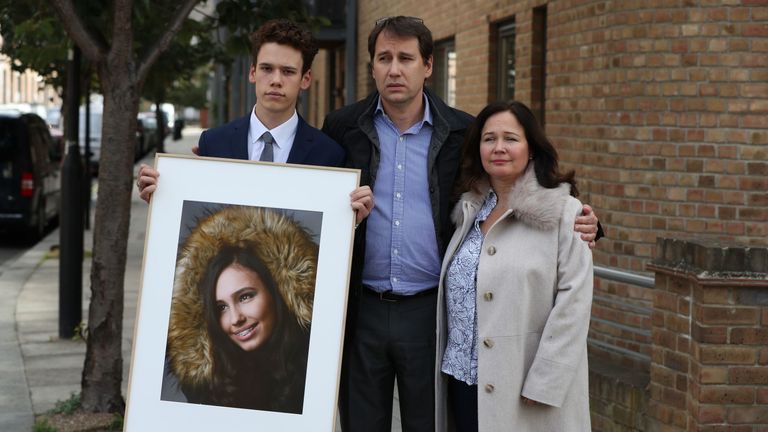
[283, 134]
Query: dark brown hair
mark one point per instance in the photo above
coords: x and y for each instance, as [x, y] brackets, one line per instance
[545, 160]
[285, 32]
[404, 27]
[272, 378]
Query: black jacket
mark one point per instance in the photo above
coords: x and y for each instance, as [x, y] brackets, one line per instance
[352, 127]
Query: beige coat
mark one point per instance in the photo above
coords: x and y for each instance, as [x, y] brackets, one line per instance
[534, 295]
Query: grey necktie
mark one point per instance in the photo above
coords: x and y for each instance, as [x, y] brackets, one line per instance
[267, 155]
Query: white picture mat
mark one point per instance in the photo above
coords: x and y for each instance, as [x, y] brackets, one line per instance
[248, 183]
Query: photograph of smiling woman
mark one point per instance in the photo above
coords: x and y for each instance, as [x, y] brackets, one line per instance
[241, 311]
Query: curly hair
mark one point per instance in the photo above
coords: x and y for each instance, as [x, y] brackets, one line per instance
[270, 378]
[545, 160]
[285, 32]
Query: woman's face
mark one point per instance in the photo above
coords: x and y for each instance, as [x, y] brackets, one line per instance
[247, 312]
[503, 148]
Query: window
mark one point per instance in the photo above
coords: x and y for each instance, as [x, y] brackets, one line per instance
[506, 61]
[444, 71]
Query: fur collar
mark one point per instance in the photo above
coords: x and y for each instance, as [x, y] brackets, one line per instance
[282, 244]
[532, 204]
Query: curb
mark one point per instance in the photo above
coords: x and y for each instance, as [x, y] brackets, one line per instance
[16, 412]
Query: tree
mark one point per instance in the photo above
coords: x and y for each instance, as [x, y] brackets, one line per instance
[122, 70]
[34, 40]
[123, 41]
[189, 51]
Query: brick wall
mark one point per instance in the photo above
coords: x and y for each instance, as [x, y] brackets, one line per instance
[710, 332]
[659, 105]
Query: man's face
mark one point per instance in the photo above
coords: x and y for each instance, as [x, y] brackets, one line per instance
[399, 70]
[278, 79]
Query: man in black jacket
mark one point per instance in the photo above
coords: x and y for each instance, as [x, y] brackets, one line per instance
[407, 143]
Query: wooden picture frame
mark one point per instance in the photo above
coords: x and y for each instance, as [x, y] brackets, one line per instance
[194, 333]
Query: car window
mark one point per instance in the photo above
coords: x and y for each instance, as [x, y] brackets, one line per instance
[9, 140]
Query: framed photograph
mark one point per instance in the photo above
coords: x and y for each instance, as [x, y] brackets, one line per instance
[240, 322]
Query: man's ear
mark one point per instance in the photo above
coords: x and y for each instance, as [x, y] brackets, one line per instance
[428, 64]
[252, 74]
[306, 79]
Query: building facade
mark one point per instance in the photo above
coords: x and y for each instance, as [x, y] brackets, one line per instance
[661, 108]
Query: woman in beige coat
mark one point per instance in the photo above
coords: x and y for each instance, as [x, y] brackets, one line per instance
[516, 287]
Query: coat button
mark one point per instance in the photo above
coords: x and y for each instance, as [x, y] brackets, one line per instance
[488, 296]
[491, 250]
[488, 343]
[489, 388]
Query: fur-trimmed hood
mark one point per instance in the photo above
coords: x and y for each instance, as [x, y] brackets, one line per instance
[284, 247]
[529, 202]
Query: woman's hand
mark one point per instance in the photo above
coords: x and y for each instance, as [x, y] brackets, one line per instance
[362, 202]
[146, 181]
[530, 402]
[586, 225]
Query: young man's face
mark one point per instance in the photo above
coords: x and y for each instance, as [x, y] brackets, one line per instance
[399, 70]
[278, 80]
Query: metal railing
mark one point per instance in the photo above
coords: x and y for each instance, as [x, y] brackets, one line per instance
[622, 276]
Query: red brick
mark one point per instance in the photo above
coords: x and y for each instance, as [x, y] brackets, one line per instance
[727, 315]
[663, 376]
[713, 295]
[727, 395]
[673, 397]
[748, 375]
[712, 355]
[676, 361]
[752, 415]
[707, 414]
[762, 396]
[713, 375]
[749, 336]
[709, 335]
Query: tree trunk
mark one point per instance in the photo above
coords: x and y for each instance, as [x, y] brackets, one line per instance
[121, 80]
[103, 370]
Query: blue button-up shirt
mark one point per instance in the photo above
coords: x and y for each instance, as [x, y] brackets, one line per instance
[401, 252]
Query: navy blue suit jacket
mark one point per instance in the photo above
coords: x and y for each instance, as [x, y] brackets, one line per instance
[310, 146]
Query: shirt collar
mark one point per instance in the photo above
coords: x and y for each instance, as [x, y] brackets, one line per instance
[426, 118]
[282, 134]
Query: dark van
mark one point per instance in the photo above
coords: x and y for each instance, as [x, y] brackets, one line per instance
[29, 173]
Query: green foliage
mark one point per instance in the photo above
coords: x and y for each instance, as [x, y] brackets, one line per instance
[191, 49]
[69, 406]
[241, 17]
[117, 423]
[33, 38]
[191, 92]
[43, 426]
[81, 332]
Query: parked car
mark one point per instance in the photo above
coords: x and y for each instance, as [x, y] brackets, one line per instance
[149, 120]
[147, 125]
[30, 175]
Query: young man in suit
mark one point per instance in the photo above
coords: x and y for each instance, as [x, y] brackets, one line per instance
[273, 131]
